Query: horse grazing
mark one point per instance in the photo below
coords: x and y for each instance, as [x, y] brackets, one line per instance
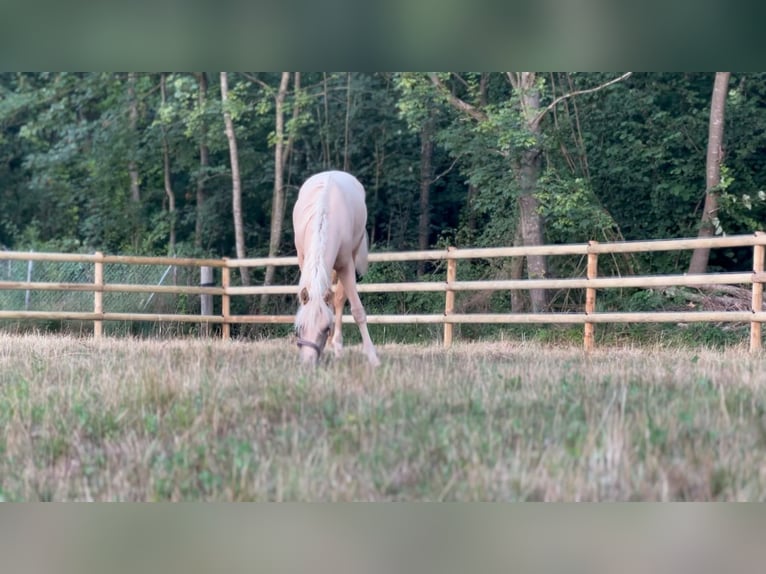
[329, 221]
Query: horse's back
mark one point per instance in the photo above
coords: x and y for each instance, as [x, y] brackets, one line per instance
[337, 182]
[346, 211]
[345, 198]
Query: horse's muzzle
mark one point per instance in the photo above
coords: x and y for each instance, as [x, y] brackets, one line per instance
[311, 345]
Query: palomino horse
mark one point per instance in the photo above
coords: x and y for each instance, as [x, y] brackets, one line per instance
[329, 221]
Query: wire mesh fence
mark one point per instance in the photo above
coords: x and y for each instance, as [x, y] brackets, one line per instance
[83, 301]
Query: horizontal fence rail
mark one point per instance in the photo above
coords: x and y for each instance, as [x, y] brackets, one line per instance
[98, 286]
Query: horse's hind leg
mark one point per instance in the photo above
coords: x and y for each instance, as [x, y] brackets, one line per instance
[339, 301]
[348, 279]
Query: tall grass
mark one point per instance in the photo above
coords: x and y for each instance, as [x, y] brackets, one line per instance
[208, 420]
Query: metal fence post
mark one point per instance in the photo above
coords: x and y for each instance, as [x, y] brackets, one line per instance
[205, 300]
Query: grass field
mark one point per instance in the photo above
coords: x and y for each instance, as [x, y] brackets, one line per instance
[206, 420]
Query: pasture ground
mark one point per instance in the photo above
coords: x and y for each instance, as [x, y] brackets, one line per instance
[125, 419]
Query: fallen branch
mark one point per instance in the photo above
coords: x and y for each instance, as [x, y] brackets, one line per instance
[712, 297]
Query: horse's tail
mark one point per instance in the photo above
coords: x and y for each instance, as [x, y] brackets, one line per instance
[360, 257]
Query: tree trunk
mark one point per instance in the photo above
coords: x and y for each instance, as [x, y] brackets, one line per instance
[204, 158]
[424, 221]
[379, 157]
[135, 191]
[236, 187]
[278, 196]
[517, 271]
[528, 173]
[347, 127]
[296, 113]
[326, 152]
[701, 255]
[166, 171]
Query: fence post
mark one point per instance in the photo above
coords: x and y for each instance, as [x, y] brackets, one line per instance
[98, 294]
[449, 299]
[590, 298]
[757, 298]
[205, 300]
[30, 266]
[225, 300]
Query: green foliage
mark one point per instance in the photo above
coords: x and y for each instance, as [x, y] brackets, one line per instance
[645, 300]
[72, 134]
[572, 212]
[647, 168]
[739, 212]
[742, 208]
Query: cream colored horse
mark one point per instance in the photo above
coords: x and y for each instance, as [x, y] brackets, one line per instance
[329, 221]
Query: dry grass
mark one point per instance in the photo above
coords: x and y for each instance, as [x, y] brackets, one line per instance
[206, 420]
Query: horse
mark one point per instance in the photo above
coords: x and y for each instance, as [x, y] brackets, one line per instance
[329, 219]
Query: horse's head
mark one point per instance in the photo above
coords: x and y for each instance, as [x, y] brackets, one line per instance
[313, 324]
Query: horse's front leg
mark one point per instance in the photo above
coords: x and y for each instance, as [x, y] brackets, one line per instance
[339, 301]
[360, 316]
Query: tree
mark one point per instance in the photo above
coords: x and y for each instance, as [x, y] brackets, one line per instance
[701, 255]
[133, 151]
[236, 182]
[426, 174]
[204, 158]
[521, 111]
[278, 197]
[135, 190]
[281, 149]
[167, 177]
[527, 165]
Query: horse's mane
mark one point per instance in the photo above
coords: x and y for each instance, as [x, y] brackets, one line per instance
[315, 277]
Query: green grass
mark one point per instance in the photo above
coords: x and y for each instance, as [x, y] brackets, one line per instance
[205, 420]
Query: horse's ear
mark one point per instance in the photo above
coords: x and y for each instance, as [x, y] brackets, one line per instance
[328, 297]
[304, 296]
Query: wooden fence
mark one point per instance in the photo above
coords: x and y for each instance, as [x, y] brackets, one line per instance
[589, 317]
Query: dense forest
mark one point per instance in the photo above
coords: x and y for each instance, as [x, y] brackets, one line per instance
[209, 163]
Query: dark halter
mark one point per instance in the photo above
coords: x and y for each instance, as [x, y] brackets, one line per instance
[306, 343]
